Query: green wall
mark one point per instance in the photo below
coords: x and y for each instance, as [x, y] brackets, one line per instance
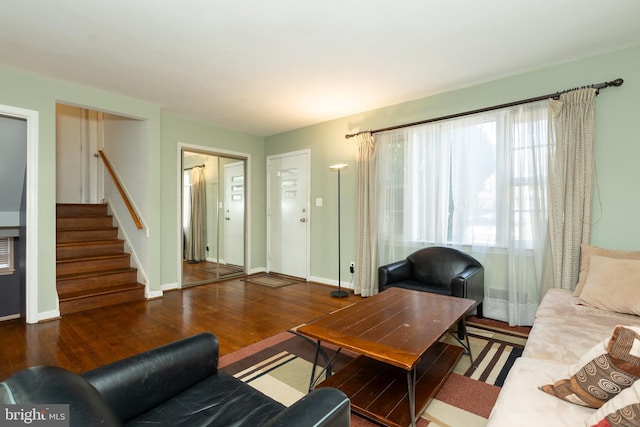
[617, 148]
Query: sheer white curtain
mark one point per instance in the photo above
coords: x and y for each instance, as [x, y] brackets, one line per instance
[525, 196]
[477, 183]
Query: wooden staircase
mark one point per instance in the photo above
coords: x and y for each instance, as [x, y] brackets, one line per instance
[92, 269]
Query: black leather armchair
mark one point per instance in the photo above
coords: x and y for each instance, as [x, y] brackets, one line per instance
[178, 384]
[439, 270]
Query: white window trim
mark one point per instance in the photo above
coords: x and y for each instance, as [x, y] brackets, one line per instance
[6, 270]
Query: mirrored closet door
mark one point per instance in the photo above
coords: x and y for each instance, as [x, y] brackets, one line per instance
[213, 217]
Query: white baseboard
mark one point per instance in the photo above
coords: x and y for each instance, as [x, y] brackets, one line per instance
[331, 282]
[169, 287]
[48, 315]
[152, 294]
[257, 270]
[10, 317]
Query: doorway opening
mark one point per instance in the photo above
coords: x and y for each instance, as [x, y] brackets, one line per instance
[13, 190]
[28, 214]
[213, 206]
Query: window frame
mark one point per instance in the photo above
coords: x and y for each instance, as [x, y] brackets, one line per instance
[500, 232]
[7, 267]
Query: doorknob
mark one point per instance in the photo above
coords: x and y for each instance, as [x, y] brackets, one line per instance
[303, 219]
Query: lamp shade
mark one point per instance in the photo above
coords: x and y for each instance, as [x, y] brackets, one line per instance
[338, 166]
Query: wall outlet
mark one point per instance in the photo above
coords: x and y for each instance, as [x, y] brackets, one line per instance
[352, 267]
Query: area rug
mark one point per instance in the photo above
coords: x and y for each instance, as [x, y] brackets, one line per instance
[280, 367]
[271, 280]
[498, 326]
[224, 270]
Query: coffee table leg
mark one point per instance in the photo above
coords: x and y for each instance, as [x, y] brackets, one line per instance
[327, 369]
[465, 344]
[411, 391]
[468, 346]
[313, 379]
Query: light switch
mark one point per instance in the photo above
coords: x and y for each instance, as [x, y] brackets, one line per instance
[318, 201]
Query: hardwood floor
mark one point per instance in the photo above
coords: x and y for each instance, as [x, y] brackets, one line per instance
[207, 272]
[239, 313]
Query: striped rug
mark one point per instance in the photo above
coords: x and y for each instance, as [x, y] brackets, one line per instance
[494, 353]
[280, 367]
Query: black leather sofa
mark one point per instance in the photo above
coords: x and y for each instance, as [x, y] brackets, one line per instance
[178, 384]
[440, 270]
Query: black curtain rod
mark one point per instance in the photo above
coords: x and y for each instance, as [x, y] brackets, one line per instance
[197, 166]
[598, 86]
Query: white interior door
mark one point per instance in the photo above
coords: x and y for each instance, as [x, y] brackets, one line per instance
[78, 138]
[288, 214]
[234, 196]
[69, 179]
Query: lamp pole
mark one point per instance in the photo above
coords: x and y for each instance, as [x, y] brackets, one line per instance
[339, 293]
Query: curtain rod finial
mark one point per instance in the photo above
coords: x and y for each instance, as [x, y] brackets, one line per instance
[616, 82]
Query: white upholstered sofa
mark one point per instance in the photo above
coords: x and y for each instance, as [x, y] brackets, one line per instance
[563, 332]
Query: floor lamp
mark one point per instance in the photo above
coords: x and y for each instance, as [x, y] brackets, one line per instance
[339, 293]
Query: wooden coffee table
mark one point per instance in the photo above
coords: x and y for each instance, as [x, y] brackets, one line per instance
[402, 364]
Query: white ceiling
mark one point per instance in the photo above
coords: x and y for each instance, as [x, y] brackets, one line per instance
[268, 66]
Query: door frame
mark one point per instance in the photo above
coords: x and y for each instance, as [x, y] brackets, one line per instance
[244, 201]
[31, 269]
[306, 151]
[212, 151]
[93, 141]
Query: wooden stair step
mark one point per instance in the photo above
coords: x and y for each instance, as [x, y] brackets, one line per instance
[70, 250]
[102, 263]
[81, 209]
[72, 222]
[85, 281]
[105, 290]
[73, 302]
[86, 234]
[92, 269]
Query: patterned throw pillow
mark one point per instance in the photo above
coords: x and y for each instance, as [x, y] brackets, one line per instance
[600, 375]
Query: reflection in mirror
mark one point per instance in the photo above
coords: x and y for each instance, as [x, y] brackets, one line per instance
[213, 217]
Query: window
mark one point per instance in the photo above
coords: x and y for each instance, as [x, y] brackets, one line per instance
[6, 255]
[475, 180]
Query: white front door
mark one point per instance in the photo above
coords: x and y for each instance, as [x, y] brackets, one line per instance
[234, 196]
[288, 214]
